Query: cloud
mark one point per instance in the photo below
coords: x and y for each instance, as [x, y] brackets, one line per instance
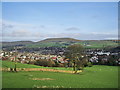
[14, 29]
[83, 36]
[21, 33]
[72, 28]
[17, 31]
[26, 35]
[112, 38]
[94, 16]
[4, 26]
[42, 26]
[9, 25]
[0, 25]
[101, 36]
[104, 33]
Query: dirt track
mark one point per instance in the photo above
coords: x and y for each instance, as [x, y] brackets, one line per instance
[36, 69]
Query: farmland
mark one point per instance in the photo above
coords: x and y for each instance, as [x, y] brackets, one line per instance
[8, 64]
[63, 42]
[98, 76]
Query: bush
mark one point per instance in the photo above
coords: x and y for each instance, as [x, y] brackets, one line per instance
[51, 63]
[89, 64]
[61, 65]
[44, 62]
[112, 60]
[31, 62]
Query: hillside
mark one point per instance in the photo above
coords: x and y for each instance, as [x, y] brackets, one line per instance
[62, 42]
[9, 64]
[98, 76]
[18, 43]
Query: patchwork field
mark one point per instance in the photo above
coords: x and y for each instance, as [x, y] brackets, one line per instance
[97, 76]
[91, 44]
[63, 42]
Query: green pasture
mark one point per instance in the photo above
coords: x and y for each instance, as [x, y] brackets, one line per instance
[99, 44]
[93, 44]
[9, 64]
[98, 76]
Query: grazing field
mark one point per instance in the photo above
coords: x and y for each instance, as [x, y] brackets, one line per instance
[66, 42]
[99, 44]
[98, 76]
[8, 64]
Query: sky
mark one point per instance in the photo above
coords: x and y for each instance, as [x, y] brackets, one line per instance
[35, 21]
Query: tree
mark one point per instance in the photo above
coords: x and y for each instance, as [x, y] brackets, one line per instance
[112, 60]
[75, 53]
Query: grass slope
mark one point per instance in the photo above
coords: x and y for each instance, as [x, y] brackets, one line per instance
[99, 44]
[8, 64]
[92, 44]
[94, 77]
[63, 42]
[98, 76]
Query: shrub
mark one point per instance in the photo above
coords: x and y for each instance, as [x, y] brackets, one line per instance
[50, 63]
[89, 64]
[31, 62]
[44, 62]
[61, 65]
[112, 60]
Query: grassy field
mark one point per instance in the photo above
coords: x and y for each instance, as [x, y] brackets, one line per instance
[93, 44]
[97, 76]
[99, 44]
[8, 64]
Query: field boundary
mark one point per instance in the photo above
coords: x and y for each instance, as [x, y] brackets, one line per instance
[37, 69]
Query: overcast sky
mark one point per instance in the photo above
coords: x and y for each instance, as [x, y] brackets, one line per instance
[36, 21]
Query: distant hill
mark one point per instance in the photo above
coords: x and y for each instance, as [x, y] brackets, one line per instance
[60, 40]
[54, 42]
[22, 43]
